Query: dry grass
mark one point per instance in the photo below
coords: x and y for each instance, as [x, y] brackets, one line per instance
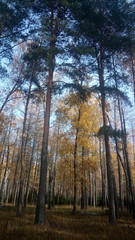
[62, 225]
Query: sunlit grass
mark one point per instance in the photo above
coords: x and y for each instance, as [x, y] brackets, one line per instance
[89, 224]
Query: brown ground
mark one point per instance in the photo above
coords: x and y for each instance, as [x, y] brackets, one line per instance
[62, 225]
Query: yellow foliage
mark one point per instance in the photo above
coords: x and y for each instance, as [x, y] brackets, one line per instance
[84, 119]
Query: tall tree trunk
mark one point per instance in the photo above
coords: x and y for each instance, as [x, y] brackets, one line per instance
[85, 195]
[100, 61]
[29, 173]
[121, 197]
[40, 206]
[31, 158]
[3, 140]
[124, 147]
[4, 178]
[50, 177]
[15, 179]
[90, 189]
[125, 152]
[75, 165]
[20, 200]
[50, 189]
[133, 70]
[82, 182]
[9, 192]
[54, 172]
[94, 190]
[112, 215]
[7, 165]
[121, 203]
[3, 153]
[133, 141]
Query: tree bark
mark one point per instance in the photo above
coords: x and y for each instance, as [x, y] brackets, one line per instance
[54, 172]
[20, 200]
[82, 182]
[75, 165]
[100, 61]
[103, 175]
[130, 190]
[40, 206]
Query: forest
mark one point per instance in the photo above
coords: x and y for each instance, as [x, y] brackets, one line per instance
[67, 119]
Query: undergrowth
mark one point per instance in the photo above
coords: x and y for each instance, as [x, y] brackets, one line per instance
[62, 225]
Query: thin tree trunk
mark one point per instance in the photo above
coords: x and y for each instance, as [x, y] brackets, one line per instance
[125, 152]
[112, 214]
[118, 162]
[121, 198]
[29, 173]
[40, 206]
[85, 196]
[6, 167]
[133, 141]
[133, 71]
[4, 178]
[128, 168]
[82, 182]
[75, 165]
[2, 154]
[20, 200]
[15, 179]
[54, 170]
[102, 176]
[3, 141]
[31, 158]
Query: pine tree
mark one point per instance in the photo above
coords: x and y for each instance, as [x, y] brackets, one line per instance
[103, 33]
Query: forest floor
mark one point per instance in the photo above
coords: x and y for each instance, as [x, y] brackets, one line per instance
[91, 224]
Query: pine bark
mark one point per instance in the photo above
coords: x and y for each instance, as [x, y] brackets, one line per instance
[40, 206]
[100, 61]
